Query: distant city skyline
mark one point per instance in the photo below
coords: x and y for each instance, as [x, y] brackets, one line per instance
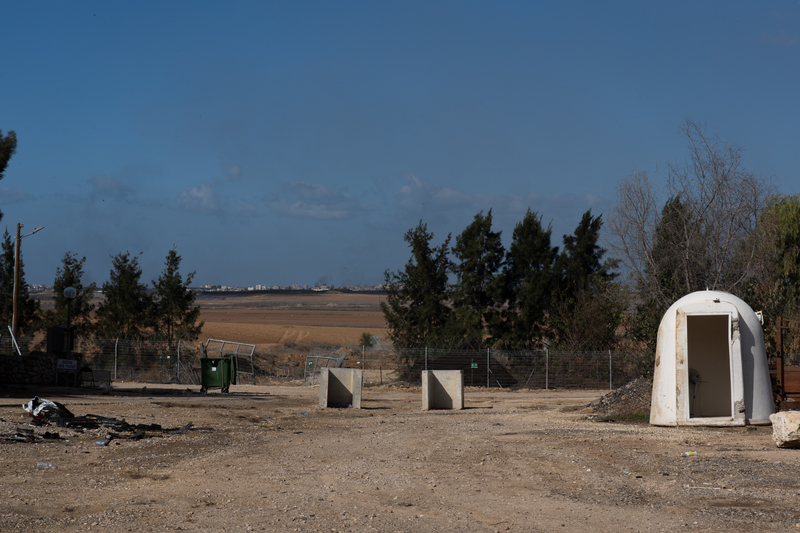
[253, 287]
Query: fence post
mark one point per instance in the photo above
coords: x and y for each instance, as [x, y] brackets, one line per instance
[178, 364]
[116, 343]
[546, 367]
[488, 369]
[610, 387]
[426, 358]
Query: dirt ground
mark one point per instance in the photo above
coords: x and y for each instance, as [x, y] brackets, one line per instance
[270, 459]
[267, 458]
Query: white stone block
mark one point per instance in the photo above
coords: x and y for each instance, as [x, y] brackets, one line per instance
[786, 429]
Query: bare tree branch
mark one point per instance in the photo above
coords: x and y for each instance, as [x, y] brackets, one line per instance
[700, 239]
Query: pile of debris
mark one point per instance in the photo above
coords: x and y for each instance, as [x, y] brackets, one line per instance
[631, 399]
[46, 412]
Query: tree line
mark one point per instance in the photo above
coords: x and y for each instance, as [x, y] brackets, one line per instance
[705, 223]
[129, 308]
[526, 295]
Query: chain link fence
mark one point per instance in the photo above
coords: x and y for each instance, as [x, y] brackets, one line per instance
[162, 362]
[125, 360]
[523, 369]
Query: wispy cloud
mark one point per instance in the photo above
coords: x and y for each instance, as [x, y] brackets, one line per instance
[418, 196]
[108, 185]
[418, 192]
[200, 199]
[781, 39]
[14, 196]
[245, 209]
[312, 200]
[233, 172]
[514, 206]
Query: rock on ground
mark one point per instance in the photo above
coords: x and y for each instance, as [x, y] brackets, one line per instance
[786, 429]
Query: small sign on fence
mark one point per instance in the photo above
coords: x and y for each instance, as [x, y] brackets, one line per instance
[473, 365]
[67, 366]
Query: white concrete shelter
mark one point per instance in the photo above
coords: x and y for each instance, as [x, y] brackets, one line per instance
[711, 364]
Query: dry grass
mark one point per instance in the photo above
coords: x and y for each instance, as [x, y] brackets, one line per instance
[280, 319]
[286, 328]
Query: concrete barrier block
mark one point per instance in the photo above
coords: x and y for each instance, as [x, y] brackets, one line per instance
[340, 387]
[442, 389]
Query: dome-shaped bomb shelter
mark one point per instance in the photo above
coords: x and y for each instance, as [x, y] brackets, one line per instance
[711, 365]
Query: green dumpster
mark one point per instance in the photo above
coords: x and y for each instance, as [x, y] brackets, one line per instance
[215, 373]
[233, 369]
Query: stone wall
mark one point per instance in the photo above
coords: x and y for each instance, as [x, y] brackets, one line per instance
[34, 369]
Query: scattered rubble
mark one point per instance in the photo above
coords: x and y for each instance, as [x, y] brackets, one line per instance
[46, 412]
[628, 400]
[28, 435]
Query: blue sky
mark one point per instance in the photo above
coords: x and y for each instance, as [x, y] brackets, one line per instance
[296, 142]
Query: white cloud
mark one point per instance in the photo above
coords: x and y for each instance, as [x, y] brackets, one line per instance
[313, 200]
[308, 210]
[200, 199]
[234, 172]
[450, 198]
[418, 192]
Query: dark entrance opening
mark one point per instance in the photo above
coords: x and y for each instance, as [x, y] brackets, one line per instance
[709, 363]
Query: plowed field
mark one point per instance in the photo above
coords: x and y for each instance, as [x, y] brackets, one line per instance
[267, 319]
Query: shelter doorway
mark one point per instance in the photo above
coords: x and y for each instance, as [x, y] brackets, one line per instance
[709, 361]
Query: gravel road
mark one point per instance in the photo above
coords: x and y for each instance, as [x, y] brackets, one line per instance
[269, 459]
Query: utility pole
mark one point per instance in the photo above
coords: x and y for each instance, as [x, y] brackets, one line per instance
[16, 278]
[16, 283]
